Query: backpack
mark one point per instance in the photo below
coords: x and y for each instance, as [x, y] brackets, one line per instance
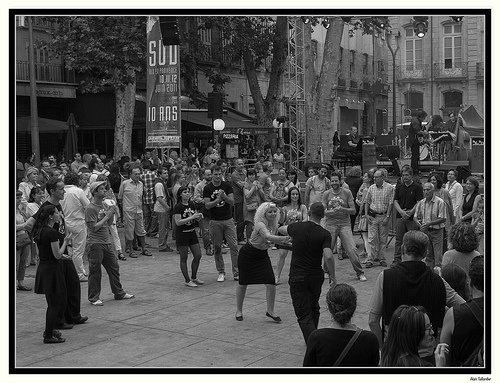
[476, 358]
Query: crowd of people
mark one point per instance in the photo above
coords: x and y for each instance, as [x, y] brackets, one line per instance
[65, 216]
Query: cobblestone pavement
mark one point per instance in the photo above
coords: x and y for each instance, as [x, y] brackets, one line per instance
[170, 325]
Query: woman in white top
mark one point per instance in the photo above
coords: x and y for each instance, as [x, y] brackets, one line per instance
[254, 264]
[293, 211]
[34, 202]
[456, 191]
[28, 183]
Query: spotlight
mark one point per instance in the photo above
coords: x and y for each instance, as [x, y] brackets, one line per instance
[457, 19]
[420, 25]
[380, 22]
[346, 19]
[305, 19]
[325, 23]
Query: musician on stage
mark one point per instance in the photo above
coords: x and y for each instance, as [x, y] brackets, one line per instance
[415, 127]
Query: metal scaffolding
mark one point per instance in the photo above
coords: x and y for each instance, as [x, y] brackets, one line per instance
[294, 93]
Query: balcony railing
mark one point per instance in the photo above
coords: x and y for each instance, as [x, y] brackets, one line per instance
[342, 82]
[353, 84]
[412, 72]
[450, 70]
[44, 72]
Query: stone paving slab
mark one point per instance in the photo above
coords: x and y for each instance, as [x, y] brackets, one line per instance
[169, 325]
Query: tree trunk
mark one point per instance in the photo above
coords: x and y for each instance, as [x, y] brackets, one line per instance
[125, 108]
[266, 109]
[321, 132]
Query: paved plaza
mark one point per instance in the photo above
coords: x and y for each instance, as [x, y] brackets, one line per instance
[169, 325]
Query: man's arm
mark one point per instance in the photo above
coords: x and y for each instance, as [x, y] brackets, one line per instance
[376, 306]
[448, 327]
[306, 194]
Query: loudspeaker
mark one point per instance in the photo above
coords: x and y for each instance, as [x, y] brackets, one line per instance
[215, 105]
[463, 173]
[393, 152]
[169, 30]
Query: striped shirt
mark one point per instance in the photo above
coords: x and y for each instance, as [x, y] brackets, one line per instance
[428, 211]
[380, 198]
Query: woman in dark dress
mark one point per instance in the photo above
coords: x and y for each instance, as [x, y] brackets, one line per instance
[325, 345]
[49, 279]
[253, 260]
[471, 199]
[185, 215]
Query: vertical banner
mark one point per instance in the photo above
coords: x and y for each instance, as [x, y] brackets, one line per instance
[163, 114]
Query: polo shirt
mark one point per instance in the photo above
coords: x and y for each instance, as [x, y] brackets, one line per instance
[408, 196]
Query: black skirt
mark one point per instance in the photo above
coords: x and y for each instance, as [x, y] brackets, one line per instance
[255, 266]
[49, 278]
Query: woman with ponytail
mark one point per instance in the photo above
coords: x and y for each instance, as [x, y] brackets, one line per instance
[326, 345]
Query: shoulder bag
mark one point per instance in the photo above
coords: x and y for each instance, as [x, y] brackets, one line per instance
[347, 347]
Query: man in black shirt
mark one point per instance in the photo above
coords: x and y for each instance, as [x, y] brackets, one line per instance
[69, 311]
[310, 242]
[406, 196]
[415, 127]
[218, 196]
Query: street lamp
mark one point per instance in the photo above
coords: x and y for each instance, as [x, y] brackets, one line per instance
[393, 53]
[219, 126]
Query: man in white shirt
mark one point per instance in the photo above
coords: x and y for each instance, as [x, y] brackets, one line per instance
[73, 205]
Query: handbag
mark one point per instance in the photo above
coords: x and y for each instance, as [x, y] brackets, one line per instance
[347, 347]
[22, 240]
[362, 224]
[252, 206]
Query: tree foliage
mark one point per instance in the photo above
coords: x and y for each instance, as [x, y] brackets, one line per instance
[110, 50]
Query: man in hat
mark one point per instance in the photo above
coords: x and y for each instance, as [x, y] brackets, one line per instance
[98, 218]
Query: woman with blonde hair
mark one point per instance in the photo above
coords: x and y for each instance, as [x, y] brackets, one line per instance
[28, 183]
[253, 261]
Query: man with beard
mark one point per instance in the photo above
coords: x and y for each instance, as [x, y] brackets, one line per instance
[339, 204]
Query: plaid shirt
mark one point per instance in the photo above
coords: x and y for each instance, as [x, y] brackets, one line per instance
[379, 199]
[148, 179]
[429, 211]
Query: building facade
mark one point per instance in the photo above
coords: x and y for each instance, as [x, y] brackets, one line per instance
[440, 72]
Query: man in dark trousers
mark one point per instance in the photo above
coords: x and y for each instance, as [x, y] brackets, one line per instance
[69, 311]
[406, 196]
[310, 243]
[415, 127]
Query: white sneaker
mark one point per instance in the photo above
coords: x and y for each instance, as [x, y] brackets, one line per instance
[128, 296]
[190, 284]
[97, 303]
[362, 278]
[197, 281]
[221, 278]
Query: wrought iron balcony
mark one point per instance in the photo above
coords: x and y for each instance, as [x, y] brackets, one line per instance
[45, 72]
[410, 72]
[450, 70]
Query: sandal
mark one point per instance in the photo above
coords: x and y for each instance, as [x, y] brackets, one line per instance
[121, 257]
[146, 253]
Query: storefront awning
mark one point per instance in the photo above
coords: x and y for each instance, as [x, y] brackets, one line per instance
[45, 125]
[233, 125]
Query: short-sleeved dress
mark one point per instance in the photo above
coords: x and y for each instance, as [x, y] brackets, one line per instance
[49, 277]
[254, 264]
